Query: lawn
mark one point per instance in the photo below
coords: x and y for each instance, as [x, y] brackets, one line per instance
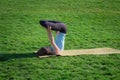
[90, 23]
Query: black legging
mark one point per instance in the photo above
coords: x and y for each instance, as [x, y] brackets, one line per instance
[55, 25]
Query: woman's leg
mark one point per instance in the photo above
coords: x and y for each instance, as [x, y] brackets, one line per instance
[55, 25]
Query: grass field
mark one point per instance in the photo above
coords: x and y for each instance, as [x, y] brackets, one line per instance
[91, 24]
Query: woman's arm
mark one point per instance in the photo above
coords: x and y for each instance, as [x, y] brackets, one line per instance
[51, 38]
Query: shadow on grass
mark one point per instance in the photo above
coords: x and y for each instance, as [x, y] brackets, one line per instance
[9, 56]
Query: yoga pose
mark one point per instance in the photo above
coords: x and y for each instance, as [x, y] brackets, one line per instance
[57, 45]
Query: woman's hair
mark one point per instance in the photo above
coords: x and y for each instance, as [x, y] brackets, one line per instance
[44, 51]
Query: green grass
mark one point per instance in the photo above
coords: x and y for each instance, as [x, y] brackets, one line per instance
[91, 24]
[85, 67]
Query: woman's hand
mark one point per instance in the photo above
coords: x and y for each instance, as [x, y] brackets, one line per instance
[49, 28]
[50, 34]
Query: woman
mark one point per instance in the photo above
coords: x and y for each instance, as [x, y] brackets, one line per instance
[57, 45]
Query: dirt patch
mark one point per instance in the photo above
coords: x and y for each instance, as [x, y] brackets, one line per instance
[86, 51]
[90, 51]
